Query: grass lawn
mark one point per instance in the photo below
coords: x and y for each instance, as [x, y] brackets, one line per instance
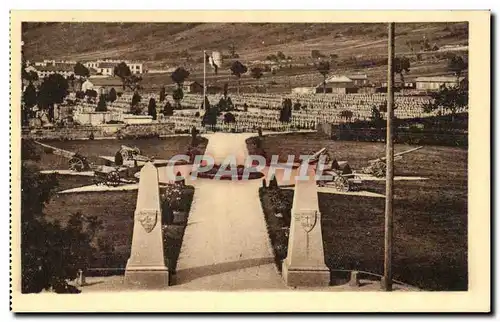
[115, 209]
[430, 217]
[163, 148]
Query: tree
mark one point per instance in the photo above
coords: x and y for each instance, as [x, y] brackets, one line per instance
[91, 95]
[457, 65]
[133, 82]
[71, 79]
[229, 118]
[238, 69]
[134, 105]
[123, 71]
[280, 55]
[273, 183]
[81, 71]
[324, 68]
[286, 111]
[178, 95]
[163, 95]
[222, 105]
[315, 54]
[51, 254]
[346, 114]
[401, 66]
[179, 76]
[449, 98]
[232, 51]
[167, 109]
[225, 90]
[152, 108]
[30, 96]
[272, 57]
[229, 104]
[29, 100]
[376, 117]
[31, 76]
[206, 104]
[80, 95]
[210, 117]
[256, 73]
[101, 105]
[52, 91]
[112, 95]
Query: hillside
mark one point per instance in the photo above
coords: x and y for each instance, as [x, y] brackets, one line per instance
[162, 45]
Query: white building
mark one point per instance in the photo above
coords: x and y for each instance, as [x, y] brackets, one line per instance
[435, 82]
[62, 69]
[106, 66]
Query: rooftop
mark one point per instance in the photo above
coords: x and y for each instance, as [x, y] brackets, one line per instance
[106, 65]
[442, 79]
[338, 79]
[358, 76]
[188, 83]
[57, 68]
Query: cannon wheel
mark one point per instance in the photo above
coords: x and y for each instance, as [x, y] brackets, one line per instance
[97, 179]
[126, 155]
[113, 179]
[379, 169]
[341, 184]
[76, 164]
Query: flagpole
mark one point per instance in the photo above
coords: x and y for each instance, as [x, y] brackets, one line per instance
[204, 78]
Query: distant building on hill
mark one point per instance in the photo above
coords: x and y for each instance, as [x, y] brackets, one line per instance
[435, 82]
[359, 79]
[337, 85]
[397, 84]
[53, 62]
[107, 66]
[192, 87]
[103, 85]
[304, 90]
[65, 70]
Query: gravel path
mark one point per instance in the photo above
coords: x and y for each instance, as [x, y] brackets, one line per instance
[226, 245]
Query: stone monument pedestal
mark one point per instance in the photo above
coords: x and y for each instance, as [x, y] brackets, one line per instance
[305, 264]
[147, 277]
[146, 266]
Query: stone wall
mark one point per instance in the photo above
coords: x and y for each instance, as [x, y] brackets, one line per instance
[92, 118]
[146, 130]
[110, 131]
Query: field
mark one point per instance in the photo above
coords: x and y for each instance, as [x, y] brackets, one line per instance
[430, 217]
[115, 209]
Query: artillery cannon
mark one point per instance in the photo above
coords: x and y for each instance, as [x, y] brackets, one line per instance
[109, 176]
[77, 162]
[129, 153]
[345, 179]
[378, 167]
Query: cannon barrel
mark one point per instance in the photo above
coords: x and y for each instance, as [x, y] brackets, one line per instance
[397, 156]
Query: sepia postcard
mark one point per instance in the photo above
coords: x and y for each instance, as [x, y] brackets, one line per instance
[250, 161]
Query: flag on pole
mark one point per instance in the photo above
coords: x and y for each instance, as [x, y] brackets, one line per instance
[214, 60]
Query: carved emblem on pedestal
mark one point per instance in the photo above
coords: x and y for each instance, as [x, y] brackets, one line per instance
[148, 219]
[307, 219]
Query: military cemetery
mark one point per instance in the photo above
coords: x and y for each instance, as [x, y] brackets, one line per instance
[237, 165]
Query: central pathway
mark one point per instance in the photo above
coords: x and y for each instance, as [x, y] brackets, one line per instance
[226, 244]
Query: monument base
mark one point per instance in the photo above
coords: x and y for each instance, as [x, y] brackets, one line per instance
[309, 277]
[150, 279]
